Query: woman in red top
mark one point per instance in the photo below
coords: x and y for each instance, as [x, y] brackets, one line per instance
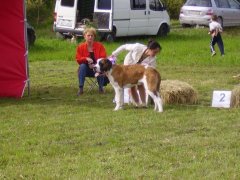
[87, 54]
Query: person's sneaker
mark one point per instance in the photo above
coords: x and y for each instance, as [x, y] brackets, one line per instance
[101, 91]
[213, 53]
[80, 92]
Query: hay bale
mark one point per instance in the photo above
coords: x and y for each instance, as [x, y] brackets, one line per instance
[235, 99]
[177, 92]
[237, 76]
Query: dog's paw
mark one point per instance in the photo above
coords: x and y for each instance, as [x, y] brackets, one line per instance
[160, 110]
[143, 105]
[118, 108]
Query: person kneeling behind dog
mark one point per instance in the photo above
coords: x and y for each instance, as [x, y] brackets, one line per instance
[139, 54]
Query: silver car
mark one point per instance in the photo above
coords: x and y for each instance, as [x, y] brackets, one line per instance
[199, 12]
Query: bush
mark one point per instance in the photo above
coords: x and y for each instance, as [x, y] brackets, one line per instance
[174, 7]
[39, 11]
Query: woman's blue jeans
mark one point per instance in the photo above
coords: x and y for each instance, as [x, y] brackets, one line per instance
[85, 71]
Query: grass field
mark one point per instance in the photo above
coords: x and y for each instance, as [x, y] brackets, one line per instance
[53, 134]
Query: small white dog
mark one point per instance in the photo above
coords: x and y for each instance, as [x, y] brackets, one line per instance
[122, 76]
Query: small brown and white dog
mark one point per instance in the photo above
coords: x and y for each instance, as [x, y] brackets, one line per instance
[122, 76]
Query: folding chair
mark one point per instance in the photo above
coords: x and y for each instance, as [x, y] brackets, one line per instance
[91, 83]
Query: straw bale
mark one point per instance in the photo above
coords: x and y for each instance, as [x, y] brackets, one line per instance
[237, 76]
[235, 99]
[177, 92]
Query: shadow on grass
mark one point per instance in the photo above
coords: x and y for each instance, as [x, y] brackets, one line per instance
[62, 95]
[53, 96]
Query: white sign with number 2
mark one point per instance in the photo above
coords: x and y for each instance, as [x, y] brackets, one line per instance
[221, 99]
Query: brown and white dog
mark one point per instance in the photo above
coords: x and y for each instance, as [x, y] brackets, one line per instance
[122, 76]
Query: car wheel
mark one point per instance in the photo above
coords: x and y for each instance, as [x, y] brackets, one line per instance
[186, 25]
[163, 30]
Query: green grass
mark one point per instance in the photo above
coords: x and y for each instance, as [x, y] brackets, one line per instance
[53, 134]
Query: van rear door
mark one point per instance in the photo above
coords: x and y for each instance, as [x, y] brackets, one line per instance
[103, 15]
[66, 14]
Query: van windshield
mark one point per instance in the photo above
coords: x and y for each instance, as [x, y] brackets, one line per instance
[104, 4]
[201, 3]
[69, 3]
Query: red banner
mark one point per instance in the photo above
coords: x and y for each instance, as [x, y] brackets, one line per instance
[13, 68]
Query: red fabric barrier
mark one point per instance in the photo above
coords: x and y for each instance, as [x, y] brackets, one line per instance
[13, 69]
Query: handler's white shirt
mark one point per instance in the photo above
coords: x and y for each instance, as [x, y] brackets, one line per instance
[134, 54]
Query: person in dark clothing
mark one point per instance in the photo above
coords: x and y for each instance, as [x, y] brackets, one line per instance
[215, 30]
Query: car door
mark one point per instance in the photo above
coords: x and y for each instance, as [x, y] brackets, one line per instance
[103, 15]
[138, 18]
[66, 14]
[235, 12]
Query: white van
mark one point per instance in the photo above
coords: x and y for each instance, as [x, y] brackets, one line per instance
[112, 18]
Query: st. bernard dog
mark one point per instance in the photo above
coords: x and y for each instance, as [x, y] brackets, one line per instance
[122, 76]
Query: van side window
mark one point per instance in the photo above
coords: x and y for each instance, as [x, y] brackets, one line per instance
[155, 5]
[104, 4]
[69, 3]
[138, 4]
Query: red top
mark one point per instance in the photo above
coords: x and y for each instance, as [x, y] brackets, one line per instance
[82, 52]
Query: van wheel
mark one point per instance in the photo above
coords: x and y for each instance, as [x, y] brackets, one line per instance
[163, 30]
[110, 37]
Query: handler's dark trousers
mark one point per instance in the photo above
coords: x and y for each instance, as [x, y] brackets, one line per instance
[217, 39]
[85, 71]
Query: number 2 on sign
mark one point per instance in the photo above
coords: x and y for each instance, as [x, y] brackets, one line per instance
[221, 99]
[222, 96]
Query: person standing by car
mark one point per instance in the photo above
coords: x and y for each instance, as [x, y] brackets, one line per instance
[86, 56]
[215, 30]
[139, 54]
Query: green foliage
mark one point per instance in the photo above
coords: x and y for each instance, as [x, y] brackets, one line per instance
[39, 11]
[173, 7]
[49, 4]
